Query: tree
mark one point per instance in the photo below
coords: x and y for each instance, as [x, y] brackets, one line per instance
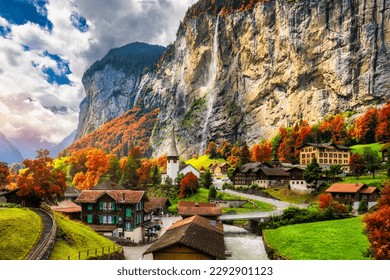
[324, 200]
[365, 127]
[212, 149]
[313, 173]
[188, 185]
[245, 154]
[156, 176]
[262, 152]
[378, 232]
[357, 165]
[382, 133]
[224, 150]
[334, 170]
[114, 171]
[372, 160]
[4, 174]
[40, 179]
[333, 129]
[129, 176]
[212, 192]
[206, 179]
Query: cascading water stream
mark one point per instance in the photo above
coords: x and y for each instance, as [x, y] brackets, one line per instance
[210, 87]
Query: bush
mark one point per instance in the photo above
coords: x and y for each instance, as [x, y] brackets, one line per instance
[172, 209]
[363, 206]
[10, 205]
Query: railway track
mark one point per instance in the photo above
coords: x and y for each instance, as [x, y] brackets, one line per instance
[42, 248]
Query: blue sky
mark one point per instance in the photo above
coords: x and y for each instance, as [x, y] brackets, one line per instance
[46, 45]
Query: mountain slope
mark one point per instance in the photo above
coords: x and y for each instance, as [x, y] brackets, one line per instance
[67, 141]
[239, 72]
[8, 152]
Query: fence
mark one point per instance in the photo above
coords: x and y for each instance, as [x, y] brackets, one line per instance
[97, 252]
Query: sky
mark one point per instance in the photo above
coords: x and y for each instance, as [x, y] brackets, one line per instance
[46, 46]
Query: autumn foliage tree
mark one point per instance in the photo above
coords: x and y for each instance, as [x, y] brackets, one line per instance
[262, 152]
[97, 163]
[365, 127]
[378, 226]
[333, 129]
[4, 174]
[382, 133]
[188, 185]
[40, 179]
[357, 165]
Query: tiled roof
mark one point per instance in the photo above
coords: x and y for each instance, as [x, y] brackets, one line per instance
[194, 233]
[275, 172]
[368, 190]
[187, 208]
[71, 192]
[344, 188]
[325, 145]
[120, 196]
[200, 221]
[66, 206]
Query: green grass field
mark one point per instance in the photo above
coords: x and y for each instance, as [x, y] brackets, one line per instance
[329, 240]
[291, 196]
[374, 146]
[20, 228]
[204, 161]
[380, 177]
[74, 237]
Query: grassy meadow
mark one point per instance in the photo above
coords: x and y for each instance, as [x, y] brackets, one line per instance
[20, 229]
[329, 240]
[204, 161]
[74, 237]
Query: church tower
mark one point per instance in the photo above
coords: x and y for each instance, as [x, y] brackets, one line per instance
[172, 159]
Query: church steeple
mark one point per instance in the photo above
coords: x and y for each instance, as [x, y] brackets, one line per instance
[172, 152]
[172, 158]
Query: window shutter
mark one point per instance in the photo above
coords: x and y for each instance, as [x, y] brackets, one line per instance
[100, 205]
[100, 219]
[113, 206]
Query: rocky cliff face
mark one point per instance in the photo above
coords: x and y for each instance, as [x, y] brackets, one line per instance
[241, 75]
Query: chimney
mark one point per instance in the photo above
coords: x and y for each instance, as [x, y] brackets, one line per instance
[213, 223]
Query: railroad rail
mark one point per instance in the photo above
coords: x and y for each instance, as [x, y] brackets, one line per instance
[44, 245]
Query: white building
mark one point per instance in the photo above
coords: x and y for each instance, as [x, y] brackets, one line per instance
[173, 166]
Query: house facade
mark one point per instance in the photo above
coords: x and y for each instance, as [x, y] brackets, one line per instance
[352, 194]
[114, 211]
[327, 154]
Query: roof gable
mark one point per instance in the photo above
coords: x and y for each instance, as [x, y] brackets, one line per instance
[344, 188]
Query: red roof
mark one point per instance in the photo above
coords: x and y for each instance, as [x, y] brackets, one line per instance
[200, 221]
[120, 196]
[369, 190]
[187, 208]
[66, 206]
[344, 188]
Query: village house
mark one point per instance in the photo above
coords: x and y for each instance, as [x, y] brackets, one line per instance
[174, 167]
[327, 154]
[207, 210]
[194, 238]
[68, 208]
[262, 174]
[352, 194]
[114, 211]
[385, 152]
[219, 168]
[158, 206]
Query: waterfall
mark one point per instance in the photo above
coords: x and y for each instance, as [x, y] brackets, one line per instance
[209, 89]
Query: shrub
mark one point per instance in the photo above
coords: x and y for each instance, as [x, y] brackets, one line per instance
[363, 206]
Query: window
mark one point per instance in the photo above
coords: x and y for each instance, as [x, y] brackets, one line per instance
[321, 161]
[335, 155]
[139, 218]
[303, 155]
[104, 205]
[346, 161]
[119, 219]
[100, 205]
[325, 155]
[330, 155]
[104, 221]
[110, 220]
[128, 212]
[310, 150]
[129, 226]
[340, 155]
[325, 161]
[313, 155]
[89, 218]
[340, 161]
[321, 154]
[303, 161]
[345, 155]
[90, 207]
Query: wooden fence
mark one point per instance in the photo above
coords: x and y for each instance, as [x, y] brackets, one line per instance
[97, 252]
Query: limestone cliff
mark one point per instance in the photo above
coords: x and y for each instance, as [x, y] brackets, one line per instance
[241, 74]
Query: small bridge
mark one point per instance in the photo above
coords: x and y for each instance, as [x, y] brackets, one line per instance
[254, 218]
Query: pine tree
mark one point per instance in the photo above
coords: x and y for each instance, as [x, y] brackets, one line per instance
[313, 173]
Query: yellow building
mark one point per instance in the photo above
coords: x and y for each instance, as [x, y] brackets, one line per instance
[327, 154]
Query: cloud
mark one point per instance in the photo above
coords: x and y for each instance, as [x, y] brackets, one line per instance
[44, 56]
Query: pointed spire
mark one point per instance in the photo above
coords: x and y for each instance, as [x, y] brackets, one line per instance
[172, 152]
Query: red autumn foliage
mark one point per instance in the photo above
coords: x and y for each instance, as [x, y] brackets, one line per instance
[144, 172]
[262, 152]
[365, 126]
[324, 200]
[117, 136]
[382, 133]
[4, 174]
[188, 185]
[40, 179]
[334, 128]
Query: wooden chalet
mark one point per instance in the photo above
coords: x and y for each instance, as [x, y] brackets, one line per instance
[207, 210]
[68, 208]
[11, 196]
[385, 152]
[194, 238]
[157, 206]
[219, 168]
[113, 210]
[261, 174]
[352, 194]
